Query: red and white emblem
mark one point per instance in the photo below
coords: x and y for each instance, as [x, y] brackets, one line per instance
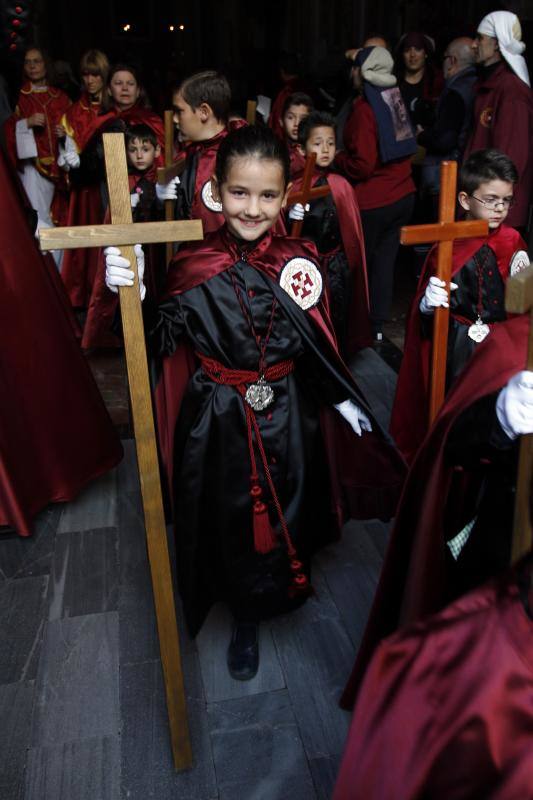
[519, 262]
[302, 281]
[208, 199]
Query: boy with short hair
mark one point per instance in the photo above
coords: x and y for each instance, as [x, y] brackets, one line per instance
[296, 108]
[142, 149]
[201, 108]
[480, 269]
[333, 223]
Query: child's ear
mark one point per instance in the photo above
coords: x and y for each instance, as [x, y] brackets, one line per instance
[215, 189]
[157, 151]
[286, 195]
[205, 111]
[464, 200]
[301, 150]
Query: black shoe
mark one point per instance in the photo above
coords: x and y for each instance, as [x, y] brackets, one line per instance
[243, 651]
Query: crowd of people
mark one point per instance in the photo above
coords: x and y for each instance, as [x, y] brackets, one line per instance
[267, 443]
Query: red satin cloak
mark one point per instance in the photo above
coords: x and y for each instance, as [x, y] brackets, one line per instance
[55, 433]
[366, 472]
[409, 414]
[413, 578]
[358, 334]
[205, 167]
[446, 708]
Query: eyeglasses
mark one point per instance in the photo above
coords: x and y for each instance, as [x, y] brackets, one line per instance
[493, 205]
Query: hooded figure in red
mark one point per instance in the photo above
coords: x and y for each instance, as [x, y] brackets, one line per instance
[55, 433]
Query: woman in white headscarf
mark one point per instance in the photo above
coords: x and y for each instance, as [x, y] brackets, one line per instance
[503, 108]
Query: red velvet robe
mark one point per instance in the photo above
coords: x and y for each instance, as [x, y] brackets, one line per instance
[409, 414]
[55, 433]
[413, 581]
[359, 334]
[503, 118]
[446, 708]
[53, 103]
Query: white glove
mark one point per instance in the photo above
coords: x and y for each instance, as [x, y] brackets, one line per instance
[435, 295]
[297, 212]
[134, 199]
[167, 191]
[72, 159]
[354, 416]
[514, 406]
[117, 272]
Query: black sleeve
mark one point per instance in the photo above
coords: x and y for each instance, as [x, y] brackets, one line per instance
[163, 325]
[443, 136]
[477, 435]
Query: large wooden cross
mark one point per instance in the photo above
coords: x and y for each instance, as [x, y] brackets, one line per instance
[445, 231]
[519, 300]
[306, 193]
[122, 232]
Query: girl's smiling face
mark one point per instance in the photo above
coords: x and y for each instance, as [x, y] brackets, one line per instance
[252, 195]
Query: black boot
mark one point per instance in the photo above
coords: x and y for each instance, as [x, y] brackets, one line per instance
[243, 651]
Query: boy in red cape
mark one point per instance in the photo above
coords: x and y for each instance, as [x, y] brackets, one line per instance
[453, 526]
[55, 433]
[480, 269]
[333, 223]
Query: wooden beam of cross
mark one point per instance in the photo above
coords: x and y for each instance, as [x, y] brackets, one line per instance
[519, 300]
[306, 193]
[169, 154]
[445, 231]
[251, 108]
[143, 421]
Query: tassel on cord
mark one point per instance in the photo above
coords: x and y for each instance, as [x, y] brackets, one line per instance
[264, 537]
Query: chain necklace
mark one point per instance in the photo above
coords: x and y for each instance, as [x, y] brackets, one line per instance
[479, 330]
[259, 395]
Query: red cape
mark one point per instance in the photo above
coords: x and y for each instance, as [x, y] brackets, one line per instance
[366, 472]
[55, 433]
[359, 334]
[413, 579]
[445, 708]
[409, 414]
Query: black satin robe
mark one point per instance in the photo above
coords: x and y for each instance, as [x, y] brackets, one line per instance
[212, 506]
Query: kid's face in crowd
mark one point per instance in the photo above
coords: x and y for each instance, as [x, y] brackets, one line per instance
[142, 154]
[124, 90]
[414, 58]
[490, 201]
[292, 118]
[93, 83]
[34, 66]
[322, 142]
[188, 120]
[252, 196]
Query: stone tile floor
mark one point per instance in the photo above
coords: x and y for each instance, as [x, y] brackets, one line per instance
[81, 693]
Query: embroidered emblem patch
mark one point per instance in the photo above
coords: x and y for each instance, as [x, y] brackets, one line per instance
[208, 199]
[485, 118]
[302, 281]
[519, 262]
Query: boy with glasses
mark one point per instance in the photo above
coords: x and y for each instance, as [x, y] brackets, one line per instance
[480, 269]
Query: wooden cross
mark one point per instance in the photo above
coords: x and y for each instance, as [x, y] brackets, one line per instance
[169, 153]
[519, 300]
[124, 232]
[251, 108]
[306, 193]
[445, 231]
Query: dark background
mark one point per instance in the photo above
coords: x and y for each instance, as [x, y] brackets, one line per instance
[242, 39]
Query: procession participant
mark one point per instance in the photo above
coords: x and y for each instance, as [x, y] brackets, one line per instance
[244, 396]
[297, 107]
[480, 268]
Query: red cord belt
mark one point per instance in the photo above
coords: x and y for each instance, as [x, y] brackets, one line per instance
[264, 537]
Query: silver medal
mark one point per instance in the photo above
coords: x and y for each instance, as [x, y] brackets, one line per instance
[259, 395]
[478, 331]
